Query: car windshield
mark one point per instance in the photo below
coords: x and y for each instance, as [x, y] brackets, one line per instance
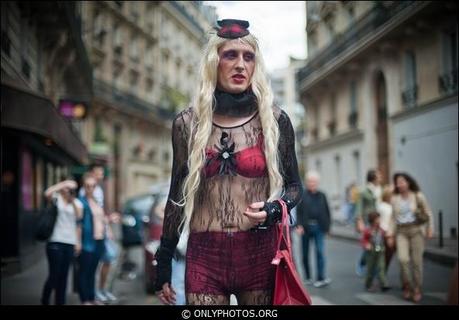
[141, 204]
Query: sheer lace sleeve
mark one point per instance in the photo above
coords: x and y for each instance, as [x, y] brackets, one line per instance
[293, 188]
[173, 212]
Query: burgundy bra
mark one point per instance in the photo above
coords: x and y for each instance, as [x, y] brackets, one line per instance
[249, 162]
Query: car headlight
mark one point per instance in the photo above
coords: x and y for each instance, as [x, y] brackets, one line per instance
[129, 220]
[152, 246]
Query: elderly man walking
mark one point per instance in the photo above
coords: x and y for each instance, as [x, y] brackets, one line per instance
[313, 216]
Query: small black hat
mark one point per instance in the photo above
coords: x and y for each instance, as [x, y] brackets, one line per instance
[232, 28]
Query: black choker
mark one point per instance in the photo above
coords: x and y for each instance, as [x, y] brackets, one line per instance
[235, 104]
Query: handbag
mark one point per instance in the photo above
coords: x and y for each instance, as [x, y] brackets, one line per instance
[288, 289]
[46, 222]
[421, 213]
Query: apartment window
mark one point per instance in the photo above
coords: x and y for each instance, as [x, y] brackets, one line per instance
[133, 81]
[349, 7]
[353, 105]
[448, 78]
[98, 131]
[313, 42]
[351, 13]
[149, 86]
[118, 41]
[314, 124]
[99, 29]
[332, 123]
[166, 156]
[25, 67]
[409, 95]
[339, 178]
[151, 155]
[117, 78]
[330, 23]
[149, 27]
[134, 10]
[357, 166]
[149, 59]
[319, 167]
[6, 43]
[134, 50]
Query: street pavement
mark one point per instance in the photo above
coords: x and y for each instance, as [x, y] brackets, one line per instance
[346, 287]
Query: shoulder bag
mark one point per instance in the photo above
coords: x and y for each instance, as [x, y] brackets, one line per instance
[288, 289]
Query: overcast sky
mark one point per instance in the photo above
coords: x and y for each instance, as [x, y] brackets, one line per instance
[279, 25]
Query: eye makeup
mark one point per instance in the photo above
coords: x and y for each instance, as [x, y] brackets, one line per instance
[233, 54]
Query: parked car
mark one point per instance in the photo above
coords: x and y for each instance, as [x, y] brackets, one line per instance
[152, 237]
[135, 212]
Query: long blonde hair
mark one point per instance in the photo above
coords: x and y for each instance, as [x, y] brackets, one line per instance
[201, 124]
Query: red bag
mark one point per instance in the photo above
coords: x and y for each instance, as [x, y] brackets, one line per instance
[288, 289]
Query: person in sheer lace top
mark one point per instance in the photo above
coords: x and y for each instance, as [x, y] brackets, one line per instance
[233, 160]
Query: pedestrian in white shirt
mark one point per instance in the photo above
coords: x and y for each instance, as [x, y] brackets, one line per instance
[64, 241]
[385, 210]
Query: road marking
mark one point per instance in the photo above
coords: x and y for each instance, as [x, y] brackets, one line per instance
[382, 299]
[319, 301]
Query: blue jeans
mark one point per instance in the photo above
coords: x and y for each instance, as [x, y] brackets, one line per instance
[313, 231]
[59, 258]
[87, 272]
[350, 212]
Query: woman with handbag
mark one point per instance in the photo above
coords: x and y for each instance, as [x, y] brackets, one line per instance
[64, 240]
[411, 223]
[234, 160]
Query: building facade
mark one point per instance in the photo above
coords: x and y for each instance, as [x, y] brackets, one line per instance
[43, 63]
[145, 56]
[380, 90]
[284, 86]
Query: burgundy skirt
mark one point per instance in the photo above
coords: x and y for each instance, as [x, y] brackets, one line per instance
[223, 263]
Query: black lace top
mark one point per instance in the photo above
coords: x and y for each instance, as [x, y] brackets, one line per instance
[233, 177]
[224, 196]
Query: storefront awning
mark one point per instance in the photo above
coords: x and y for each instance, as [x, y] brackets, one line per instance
[30, 112]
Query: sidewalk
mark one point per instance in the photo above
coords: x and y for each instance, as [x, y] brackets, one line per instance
[24, 288]
[447, 255]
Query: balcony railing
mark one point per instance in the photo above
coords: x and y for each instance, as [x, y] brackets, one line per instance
[179, 8]
[332, 128]
[448, 82]
[410, 96]
[128, 101]
[352, 119]
[352, 37]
